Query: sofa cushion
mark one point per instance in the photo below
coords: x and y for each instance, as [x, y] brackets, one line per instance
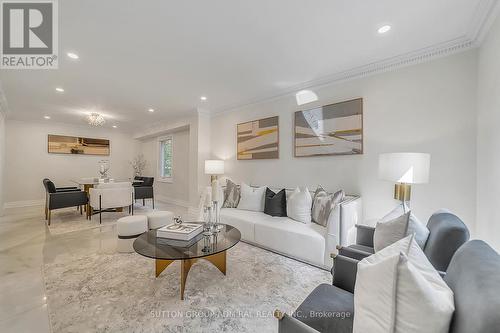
[327, 309]
[396, 288]
[299, 240]
[275, 203]
[252, 198]
[323, 204]
[282, 234]
[299, 205]
[243, 220]
[414, 225]
[231, 195]
[389, 232]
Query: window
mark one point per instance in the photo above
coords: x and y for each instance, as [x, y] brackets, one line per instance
[166, 158]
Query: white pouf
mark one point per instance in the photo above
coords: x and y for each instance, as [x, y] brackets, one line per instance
[159, 218]
[129, 228]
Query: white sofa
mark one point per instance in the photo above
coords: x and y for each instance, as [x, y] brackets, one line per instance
[310, 243]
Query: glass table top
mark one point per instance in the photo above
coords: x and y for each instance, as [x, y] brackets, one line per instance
[96, 181]
[154, 247]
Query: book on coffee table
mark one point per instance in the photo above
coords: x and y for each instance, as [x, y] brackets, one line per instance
[179, 243]
[184, 231]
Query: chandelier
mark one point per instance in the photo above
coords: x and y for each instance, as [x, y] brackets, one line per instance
[96, 119]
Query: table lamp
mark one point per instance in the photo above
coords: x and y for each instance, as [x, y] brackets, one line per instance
[404, 169]
[214, 168]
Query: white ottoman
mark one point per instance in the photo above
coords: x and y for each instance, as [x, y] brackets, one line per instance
[159, 218]
[129, 228]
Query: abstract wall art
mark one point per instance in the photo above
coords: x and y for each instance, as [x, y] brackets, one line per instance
[258, 139]
[62, 144]
[335, 129]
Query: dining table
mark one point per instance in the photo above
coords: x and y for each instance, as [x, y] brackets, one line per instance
[88, 183]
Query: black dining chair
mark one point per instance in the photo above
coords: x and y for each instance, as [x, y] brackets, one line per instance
[64, 198]
[144, 190]
[58, 189]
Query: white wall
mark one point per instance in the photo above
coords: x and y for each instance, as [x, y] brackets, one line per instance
[425, 108]
[177, 190]
[28, 161]
[488, 138]
[199, 146]
[2, 161]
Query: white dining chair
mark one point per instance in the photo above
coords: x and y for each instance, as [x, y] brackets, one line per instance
[107, 197]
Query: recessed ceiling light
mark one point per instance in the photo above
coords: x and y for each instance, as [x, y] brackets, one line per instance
[203, 98]
[72, 55]
[59, 89]
[114, 126]
[47, 117]
[151, 110]
[384, 29]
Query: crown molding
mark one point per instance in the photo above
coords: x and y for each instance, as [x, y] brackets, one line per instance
[484, 16]
[408, 59]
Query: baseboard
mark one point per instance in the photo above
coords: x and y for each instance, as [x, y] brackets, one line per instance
[172, 201]
[23, 203]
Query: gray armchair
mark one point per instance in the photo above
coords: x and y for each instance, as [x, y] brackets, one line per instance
[46, 185]
[62, 199]
[447, 234]
[473, 275]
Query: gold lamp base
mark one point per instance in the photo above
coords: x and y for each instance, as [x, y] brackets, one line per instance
[402, 192]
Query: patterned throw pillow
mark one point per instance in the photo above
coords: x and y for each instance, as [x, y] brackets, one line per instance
[231, 195]
[323, 204]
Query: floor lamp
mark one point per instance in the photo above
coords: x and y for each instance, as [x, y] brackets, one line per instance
[405, 169]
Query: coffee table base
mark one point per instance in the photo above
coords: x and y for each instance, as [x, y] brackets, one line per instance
[218, 260]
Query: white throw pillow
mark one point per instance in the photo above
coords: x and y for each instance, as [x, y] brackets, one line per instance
[414, 226]
[390, 232]
[298, 205]
[398, 290]
[252, 198]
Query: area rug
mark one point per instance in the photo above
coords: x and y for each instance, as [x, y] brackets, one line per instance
[70, 220]
[119, 293]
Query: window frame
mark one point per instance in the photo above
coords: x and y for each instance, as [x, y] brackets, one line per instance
[160, 168]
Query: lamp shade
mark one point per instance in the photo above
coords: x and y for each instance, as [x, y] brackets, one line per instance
[408, 168]
[214, 167]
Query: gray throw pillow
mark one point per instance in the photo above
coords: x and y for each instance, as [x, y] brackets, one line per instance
[323, 204]
[414, 225]
[231, 195]
[389, 232]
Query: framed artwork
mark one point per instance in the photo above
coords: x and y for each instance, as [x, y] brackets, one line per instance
[62, 144]
[335, 129]
[258, 139]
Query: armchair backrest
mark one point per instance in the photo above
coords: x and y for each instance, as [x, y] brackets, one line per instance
[147, 181]
[111, 197]
[49, 185]
[474, 277]
[447, 234]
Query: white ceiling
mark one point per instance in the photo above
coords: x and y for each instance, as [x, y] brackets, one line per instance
[165, 54]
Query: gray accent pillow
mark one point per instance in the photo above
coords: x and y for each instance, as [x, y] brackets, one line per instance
[231, 195]
[323, 204]
[414, 225]
[389, 232]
